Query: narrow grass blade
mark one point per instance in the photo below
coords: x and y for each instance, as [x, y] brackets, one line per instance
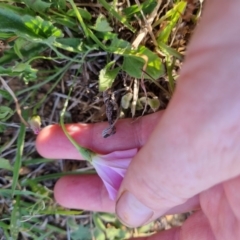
[15, 223]
[79, 17]
[18, 160]
[7, 193]
[57, 175]
[175, 16]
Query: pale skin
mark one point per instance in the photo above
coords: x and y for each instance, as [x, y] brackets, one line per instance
[189, 156]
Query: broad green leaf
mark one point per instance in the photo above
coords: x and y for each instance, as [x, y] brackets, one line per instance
[37, 5]
[17, 10]
[40, 28]
[27, 26]
[135, 61]
[133, 65]
[119, 46]
[107, 76]
[102, 24]
[11, 22]
[5, 164]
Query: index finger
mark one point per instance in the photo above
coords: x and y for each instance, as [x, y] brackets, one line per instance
[52, 142]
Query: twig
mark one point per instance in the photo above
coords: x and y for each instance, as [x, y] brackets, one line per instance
[147, 28]
[18, 109]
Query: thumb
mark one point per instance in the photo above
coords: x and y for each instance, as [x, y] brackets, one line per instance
[196, 143]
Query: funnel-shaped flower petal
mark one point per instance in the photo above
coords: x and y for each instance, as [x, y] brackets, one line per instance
[112, 168]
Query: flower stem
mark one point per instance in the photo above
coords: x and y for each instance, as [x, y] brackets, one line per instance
[86, 153]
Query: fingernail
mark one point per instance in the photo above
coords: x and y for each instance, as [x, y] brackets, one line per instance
[131, 212]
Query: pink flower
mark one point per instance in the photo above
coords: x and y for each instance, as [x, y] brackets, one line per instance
[112, 168]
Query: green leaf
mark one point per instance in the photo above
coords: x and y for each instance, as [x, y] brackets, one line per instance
[26, 26]
[154, 102]
[116, 15]
[102, 24]
[18, 44]
[70, 44]
[176, 13]
[108, 217]
[40, 28]
[5, 112]
[98, 222]
[126, 100]
[11, 22]
[99, 235]
[5, 164]
[16, 223]
[107, 76]
[114, 233]
[170, 51]
[25, 71]
[146, 7]
[135, 60]
[84, 13]
[60, 4]
[28, 50]
[37, 5]
[133, 66]
[82, 233]
[5, 94]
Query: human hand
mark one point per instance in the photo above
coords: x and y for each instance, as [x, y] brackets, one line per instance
[219, 214]
[193, 148]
